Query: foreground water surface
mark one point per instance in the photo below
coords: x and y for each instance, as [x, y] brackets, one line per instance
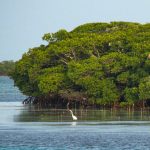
[24, 127]
[29, 128]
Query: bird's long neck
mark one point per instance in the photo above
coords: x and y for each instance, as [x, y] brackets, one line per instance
[71, 112]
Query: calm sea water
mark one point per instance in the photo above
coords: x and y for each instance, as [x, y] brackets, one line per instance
[9, 93]
[29, 128]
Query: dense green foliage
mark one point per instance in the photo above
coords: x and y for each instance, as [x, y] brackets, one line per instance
[6, 67]
[106, 62]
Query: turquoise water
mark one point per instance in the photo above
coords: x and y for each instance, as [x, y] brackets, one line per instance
[9, 93]
[24, 127]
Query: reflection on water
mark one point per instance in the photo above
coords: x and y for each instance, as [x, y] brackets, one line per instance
[17, 112]
[32, 114]
[30, 128]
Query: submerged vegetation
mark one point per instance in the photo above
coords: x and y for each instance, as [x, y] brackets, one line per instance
[6, 67]
[96, 64]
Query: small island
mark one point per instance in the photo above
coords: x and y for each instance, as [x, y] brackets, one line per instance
[100, 65]
[6, 67]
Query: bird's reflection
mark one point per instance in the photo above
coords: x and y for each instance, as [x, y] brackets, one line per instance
[74, 123]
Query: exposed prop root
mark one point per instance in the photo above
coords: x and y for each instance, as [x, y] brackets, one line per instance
[28, 100]
[68, 106]
[55, 101]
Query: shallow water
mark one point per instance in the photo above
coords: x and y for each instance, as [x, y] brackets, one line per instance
[20, 128]
[24, 127]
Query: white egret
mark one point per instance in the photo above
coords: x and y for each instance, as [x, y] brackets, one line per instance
[73, 116]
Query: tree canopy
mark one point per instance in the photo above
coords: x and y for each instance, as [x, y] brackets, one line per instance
[108, 63]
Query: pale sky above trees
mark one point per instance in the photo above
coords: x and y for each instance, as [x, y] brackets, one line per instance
[24, 22]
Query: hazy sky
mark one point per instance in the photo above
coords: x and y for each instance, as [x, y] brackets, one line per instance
[23, 22]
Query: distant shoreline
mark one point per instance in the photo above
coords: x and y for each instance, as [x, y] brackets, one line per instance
[3, 75]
